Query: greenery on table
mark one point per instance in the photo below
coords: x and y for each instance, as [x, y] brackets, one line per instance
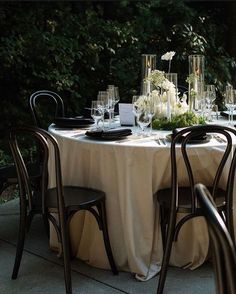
[177, 121]
[77, 48]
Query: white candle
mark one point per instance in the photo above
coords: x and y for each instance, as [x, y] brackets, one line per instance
[168, 107]
[148, 82]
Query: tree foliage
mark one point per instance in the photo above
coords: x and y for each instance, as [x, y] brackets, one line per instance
[77, 48]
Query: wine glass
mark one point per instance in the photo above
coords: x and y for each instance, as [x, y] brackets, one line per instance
[102, 96]
[110, 103]
[143, 119]
[230, 103]
[151, 107]
[207, 103]
[141, 109]
[212, 89]
[96, 112]
[117, 95]
[136, 110]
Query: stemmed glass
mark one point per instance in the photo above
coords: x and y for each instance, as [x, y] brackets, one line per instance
[143, 112]
[207, 104]
[212, 89]
[143, 119]
[230, 103]
[96, 112]
[117, 95]
[151, 109]
[110, 102]
[102, 97]
[136, 110]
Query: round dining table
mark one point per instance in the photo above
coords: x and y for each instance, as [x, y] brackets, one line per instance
[130, 170]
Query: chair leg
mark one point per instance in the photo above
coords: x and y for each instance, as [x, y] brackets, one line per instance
[46, 224]
[167, 252]
[66, 258]
[102, 212]
[20, 242]
[163, 223]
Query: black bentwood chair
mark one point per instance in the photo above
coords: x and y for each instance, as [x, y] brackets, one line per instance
[45, 106]
[183, 199]
[64, 200]
[38, 101]
[224, 251]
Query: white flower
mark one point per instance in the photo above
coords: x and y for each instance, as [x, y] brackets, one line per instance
[168, 55]
[142, 103]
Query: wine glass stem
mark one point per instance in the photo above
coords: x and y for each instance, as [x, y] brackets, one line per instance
[109, 112]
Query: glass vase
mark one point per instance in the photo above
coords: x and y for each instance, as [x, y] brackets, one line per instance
[148, 64]
[196, 81]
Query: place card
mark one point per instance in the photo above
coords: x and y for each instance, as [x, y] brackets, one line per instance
[126, 114]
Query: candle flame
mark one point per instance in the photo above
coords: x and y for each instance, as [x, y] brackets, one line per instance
[197, 72]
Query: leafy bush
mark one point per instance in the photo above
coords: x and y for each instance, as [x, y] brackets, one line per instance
[77, 48]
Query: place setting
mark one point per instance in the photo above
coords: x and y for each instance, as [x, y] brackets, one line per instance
[105, 104]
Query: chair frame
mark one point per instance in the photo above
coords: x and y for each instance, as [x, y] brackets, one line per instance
[33, 100]
[27, 208]
[171, 234]
[224, 251]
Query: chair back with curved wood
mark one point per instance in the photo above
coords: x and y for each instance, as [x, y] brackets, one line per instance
[63, 201]
[224, 251]
[182, 199]
[45, 106]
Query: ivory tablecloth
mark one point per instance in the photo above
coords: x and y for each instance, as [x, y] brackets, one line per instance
[130, 172]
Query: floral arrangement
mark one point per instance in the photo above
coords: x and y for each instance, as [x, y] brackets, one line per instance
[164, 97]
[163, 91]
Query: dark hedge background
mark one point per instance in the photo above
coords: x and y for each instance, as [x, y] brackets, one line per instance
[77, 48]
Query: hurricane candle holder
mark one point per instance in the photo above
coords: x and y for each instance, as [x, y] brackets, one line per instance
[148, 64]
[196, 81]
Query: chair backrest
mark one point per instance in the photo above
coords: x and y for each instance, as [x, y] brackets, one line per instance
[184, 136]
[224, 251]
[41, 139]
[45, 106]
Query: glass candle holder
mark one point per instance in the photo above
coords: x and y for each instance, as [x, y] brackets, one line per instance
[148, 64]
[196, 81]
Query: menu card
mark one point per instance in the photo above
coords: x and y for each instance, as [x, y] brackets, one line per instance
[126, 114]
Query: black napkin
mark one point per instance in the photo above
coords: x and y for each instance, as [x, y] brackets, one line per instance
[226, 114]
[72, 121]
[109, 134]
[199, 137]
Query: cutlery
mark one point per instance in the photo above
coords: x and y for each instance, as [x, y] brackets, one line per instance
[163, 141]
[219, 139]
[160, 141]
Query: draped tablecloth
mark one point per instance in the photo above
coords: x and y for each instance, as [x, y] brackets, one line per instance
[130, 172]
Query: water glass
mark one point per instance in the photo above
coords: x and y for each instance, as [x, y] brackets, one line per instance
[136, 110]
[97, 112]
[230, 103]
[143, 119]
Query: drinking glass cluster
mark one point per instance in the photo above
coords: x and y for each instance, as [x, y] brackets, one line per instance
[105, 103]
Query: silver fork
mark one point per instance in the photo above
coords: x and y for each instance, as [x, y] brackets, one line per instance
[219, 139]
[160, 141]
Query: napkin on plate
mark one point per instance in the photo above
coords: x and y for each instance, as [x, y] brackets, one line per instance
[200, 137]
[73, 121]
[107, 134]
